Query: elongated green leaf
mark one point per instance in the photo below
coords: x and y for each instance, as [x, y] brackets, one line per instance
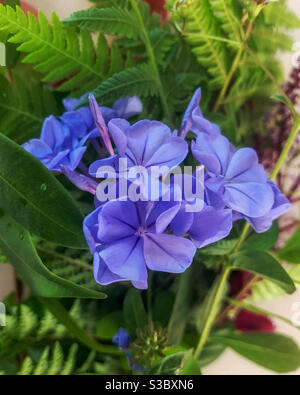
[135, 315]
[272, 351]
[113, 21]
[291, 251]
[172, 364]
[17, 246]
[181, 309]
[264, 265]
[34, 198]
[262, 241]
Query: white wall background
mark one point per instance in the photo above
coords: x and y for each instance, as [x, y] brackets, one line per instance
[230, 362]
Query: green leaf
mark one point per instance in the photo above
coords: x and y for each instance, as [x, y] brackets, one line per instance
[272, 351]
[222, 247]
[263, 241]
[137, 80]
[181, 309]
[210, 353]
[172, 364]
[267, 290]
[34, 198]
[162, 307]
[110, 324]
[281, 99]
[134, 312]
[291, 251]
[264, 265]
[17, 245]
[113, 21]
[191, 367]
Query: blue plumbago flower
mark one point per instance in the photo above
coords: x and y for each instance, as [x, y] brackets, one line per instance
[56, 146]
[81, 121]
[234, 177]
[62, 140]
[128, 237]
[194, 121]
[281, 206]
[122, 340]
[146, 143]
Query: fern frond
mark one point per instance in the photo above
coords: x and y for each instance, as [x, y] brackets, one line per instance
[227, 12]
[137, 80]
[201, 26]
[278, 14]
[113, 21]
[56, 51]
[23, 108]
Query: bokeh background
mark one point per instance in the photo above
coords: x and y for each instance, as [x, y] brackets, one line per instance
[229, 363]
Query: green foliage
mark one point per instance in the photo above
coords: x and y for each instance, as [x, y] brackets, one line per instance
[39, 200]
[134, 312]
[291, 251]
[36, 332]
[23, 108]
[113, 21]
[202, 29]
[275, 352]
[267, 290]
[263, 264]
[17, 245]
[58, 52]
[262, 241]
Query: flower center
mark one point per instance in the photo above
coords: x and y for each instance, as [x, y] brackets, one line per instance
[141, 231]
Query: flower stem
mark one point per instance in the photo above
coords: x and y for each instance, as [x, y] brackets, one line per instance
[213, 310]
[146, 40]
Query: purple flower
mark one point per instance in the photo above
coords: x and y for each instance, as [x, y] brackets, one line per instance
[146, 143]
[234, 178]
[122, 339]
[194, 121]
[281, 206]
[128, 238]
[56, 146]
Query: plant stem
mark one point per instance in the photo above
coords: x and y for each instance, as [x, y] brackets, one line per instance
[149, 297]
[146, 40]
[288, 145]
[234, 67]
[58, 310]
[222, 280]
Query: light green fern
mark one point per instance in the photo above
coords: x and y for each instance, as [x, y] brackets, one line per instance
[57, 51]
[202, 32]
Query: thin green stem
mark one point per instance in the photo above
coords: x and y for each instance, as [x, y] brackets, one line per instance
[286, 149]
[213, 310]
[149, 297]
[58, 310]
[146, 40]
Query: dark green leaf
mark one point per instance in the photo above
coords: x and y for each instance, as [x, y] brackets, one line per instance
[291, 251]
[162, 307]
[134, 312]
[272, 351]
[34, 198]
[210, 353]
[181, 308]
[264, 265]
[222, 247]
[191, 367]
[171, 364]
[17, 246]
[110, 324]
[263, 241]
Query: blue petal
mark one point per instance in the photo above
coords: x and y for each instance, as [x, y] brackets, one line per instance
[90, 229]
[118, 219]
[80, 181]
[249, 198]
[38, 148]
[102, 274]
[128, 107]
[168, 253]
[126, 259]
[210, 225]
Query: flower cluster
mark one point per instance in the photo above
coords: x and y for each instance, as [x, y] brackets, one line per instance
[129, 237]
